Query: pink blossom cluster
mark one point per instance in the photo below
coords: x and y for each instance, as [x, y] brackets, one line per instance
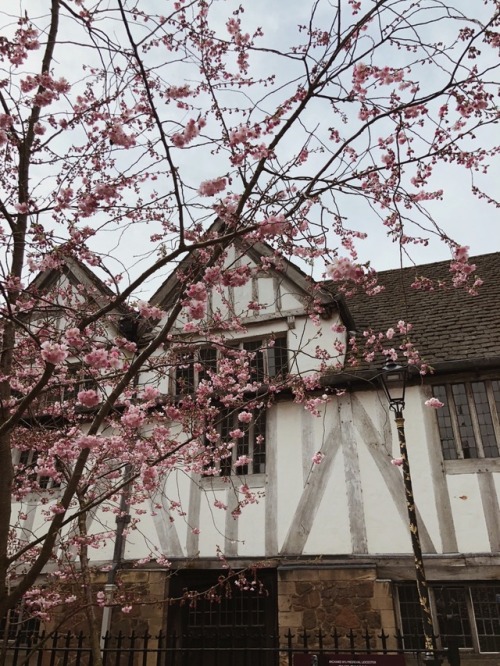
[434, 403]
[343, 269]
[89, 398]
[6, 123]
[317, 458]
[149, 477]
[107, 192]
[98, 359]
[191, 131]
[474, 104]
[74, 338]
[313, 405]
[243, 134]
[242, 461]
[234, 29]
[382, 75]
[44, 262]
[133, 417]
[40, 601]
[49, 89]
[236, 277]
[88, 441]
[150, 393]
[375, 344]
[118, 137]
[101, 358]
[25, 40]
[197, 291]
[462, 270]
[64, 198]
[210, 188]
[242, 41]
[149, 311]
[176, 92]
[249, 497]
[273, 225]
[196, 306]
[53, 352]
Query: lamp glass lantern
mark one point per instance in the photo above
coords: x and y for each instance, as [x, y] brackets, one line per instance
[393, 379]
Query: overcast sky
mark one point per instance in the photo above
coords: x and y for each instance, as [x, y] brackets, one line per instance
[465, 218]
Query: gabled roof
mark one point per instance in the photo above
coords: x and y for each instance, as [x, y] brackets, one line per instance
[451, 329]
[94, 290]
[256, 251]
[77, 273]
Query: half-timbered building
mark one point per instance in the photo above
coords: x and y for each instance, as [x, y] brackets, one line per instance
[328, 545]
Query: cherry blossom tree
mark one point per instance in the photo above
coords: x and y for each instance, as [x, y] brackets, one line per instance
[140, 137]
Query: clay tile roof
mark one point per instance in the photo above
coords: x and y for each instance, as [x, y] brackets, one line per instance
[451, 327]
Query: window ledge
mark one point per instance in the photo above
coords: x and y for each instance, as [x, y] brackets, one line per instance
[472, 466]
[233, 481]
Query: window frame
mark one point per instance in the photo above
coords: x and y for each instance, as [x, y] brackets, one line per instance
[21, 625]
[45, 483]
[78, 378]
[470, 589]
[474, 420]
[257, 427]
[193, 374]
[255, 613]
[194, 357]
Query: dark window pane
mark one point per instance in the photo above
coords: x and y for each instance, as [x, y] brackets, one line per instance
[259, 442]
[485, 599]
[243, 447]
[226, 425]
[208, 363]
[28, 459]
[277, 357]
[453, 616]
[227, 615]
[488, 438]
[446, 434]
[25, 457]
[467, 437]
[184, 375]
[411, 617]
[495, 385]
[20, 625]
[255, 359]
[252, 444]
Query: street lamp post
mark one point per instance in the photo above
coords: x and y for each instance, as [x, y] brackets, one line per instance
[393, 380]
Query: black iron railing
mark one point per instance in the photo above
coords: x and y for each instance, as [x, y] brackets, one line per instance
[209, 648]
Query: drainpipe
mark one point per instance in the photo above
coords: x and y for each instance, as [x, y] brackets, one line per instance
[122, 520]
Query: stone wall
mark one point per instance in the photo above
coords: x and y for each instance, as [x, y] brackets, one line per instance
[149, 588]
[334, 598]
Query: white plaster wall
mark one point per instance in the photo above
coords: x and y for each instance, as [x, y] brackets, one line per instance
[289, 296]
[386, 530]
[178, 488]
[496, 483]
[289, 466]
[468, 514]
[143, 540]
[212, 526]
[267, 296]
[252, 530]
[420, 456]
[330, 533]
